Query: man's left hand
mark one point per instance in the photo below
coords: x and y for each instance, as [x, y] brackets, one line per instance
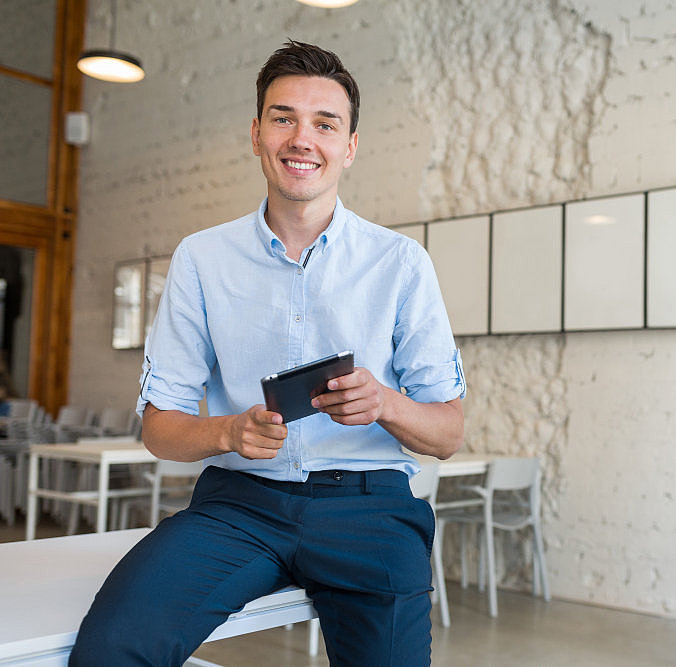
[353, 399]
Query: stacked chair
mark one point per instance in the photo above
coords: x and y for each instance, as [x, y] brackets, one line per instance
[26, 423]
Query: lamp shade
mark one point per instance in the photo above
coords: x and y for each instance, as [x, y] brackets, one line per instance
[331, 4]
[110, 65]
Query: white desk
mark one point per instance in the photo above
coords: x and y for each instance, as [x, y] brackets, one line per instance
[104, 454]
[48, 585]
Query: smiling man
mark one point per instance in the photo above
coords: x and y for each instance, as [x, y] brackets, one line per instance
[322, 502]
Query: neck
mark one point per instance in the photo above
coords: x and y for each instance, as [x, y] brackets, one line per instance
[297, 224]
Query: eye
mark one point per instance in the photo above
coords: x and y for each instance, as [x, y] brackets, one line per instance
[281, 120]
[325, 126]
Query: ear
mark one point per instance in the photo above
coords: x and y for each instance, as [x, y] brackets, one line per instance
[351, 150]
[255, 136]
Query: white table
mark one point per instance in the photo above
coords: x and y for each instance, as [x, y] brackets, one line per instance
[48, 585]
[104, 454]
[462, 463]
[465, 463]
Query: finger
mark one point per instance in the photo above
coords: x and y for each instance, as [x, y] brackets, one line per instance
[274, 432]
[253, 452]
[257, 441]
[263, 416]
[358, 377]
[357, 419]
[356, 407]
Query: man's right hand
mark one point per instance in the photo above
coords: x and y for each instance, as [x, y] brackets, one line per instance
[257, 433]
[178, 436]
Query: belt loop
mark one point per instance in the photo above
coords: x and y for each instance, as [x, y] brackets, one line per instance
[366, 482]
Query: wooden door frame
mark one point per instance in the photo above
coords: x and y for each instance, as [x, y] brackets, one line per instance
[51, 229]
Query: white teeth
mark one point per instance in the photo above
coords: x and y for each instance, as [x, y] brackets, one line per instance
[301, 165]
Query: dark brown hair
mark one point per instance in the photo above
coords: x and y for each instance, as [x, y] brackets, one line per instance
[297, 58]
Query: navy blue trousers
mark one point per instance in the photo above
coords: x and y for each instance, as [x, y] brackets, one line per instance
[358, 542]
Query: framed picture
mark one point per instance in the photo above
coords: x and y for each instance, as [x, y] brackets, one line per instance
[128, 307]
[156, 276]
[138, 286]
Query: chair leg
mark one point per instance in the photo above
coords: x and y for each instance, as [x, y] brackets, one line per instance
[313, 637]
[114, 513]
[438, 567]
[540, 550]
[492, 586]
[481, 576]
[74, 517]
[536, 583]
[463, 555]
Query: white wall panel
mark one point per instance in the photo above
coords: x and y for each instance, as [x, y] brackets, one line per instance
[459, 250]
[526, 274]
[604, 274]
[661, 283]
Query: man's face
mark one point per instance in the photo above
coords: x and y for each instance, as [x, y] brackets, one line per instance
[303, 137]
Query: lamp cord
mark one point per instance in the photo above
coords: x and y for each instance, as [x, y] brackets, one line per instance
[113, 23]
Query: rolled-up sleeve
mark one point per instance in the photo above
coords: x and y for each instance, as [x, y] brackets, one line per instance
[426, 358]
[178, 351]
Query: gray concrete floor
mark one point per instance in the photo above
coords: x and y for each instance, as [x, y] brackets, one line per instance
[527, 633]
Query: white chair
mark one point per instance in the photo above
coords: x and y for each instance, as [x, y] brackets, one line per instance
[165, 498]
[490, 510]
[116, 421]
[73, 422]
[424, 485]
[7, 503]
[22, 408]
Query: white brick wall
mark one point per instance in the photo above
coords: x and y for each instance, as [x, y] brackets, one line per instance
[467, 107]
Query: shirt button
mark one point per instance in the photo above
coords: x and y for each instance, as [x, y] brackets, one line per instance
[298, 318]
[299, 271]
[338, 475]
[296, 465]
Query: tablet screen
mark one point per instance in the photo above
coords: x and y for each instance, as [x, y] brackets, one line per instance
[290, 392]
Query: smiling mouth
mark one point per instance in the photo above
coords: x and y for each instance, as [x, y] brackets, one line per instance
[303, 166]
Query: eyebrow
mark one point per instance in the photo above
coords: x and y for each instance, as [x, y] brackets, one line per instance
[321, 113]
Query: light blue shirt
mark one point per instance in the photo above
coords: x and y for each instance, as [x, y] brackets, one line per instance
[235, 308]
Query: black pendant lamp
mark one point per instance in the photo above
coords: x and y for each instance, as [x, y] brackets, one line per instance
[109, 64]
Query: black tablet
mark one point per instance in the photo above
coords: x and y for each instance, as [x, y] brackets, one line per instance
[289, 392]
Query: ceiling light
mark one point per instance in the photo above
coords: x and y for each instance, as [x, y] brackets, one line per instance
[330, 4]
[109, 64]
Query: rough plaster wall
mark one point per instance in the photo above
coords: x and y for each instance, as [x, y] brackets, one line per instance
[536, 102]
[611, 539]
[511, 91]
[533, 103]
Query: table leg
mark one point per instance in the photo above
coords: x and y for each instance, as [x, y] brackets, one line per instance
[32, 507]
[102, 509]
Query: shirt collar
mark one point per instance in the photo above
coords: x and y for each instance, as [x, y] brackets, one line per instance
[274, 246]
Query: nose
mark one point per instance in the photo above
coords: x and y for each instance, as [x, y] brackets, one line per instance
[301, 139]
